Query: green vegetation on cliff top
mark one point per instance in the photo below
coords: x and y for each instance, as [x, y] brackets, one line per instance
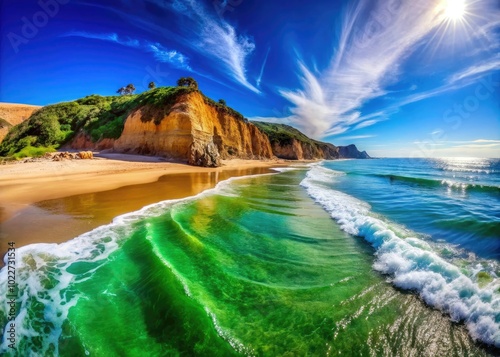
[283, 134]
[53, 125]
[99, 117]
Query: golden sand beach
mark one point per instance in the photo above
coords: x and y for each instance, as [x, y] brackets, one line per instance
[54, 201]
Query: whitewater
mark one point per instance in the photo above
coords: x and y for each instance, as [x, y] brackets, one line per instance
[411, 263]
[358, 257]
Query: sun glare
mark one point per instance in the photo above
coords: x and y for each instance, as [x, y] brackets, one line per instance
[454, 9]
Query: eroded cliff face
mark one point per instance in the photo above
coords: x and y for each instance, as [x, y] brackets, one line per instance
[197, 132]
[291, 144]
[83, 141]
[192, 131]
[297, 150]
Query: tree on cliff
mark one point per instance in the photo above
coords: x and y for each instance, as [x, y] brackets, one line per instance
[152, 85]
[130, 89]
[222, 102]
[187, 82]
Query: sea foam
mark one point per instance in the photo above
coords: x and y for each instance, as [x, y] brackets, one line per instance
[411, 263]
[46, 274]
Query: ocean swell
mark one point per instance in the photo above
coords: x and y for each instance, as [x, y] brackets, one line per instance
[411, 263]
[447, 183]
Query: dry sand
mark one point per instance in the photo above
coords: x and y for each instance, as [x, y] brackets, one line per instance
[53, 201]
[25, 183]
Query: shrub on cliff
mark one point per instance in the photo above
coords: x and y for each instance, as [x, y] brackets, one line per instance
[221, 107]
[107, 115]
[283, 134]
[187, 82]
[53, 125]
[97, 116]
[47, 127]
[157, 103]
[128, 90]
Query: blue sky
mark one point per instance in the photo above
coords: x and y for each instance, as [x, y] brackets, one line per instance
[395, 77]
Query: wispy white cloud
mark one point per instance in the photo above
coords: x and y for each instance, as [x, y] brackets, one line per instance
[417, 97]
[111, 37]
[259, 78]
[376, 39]
[486, 33]
[163, 54]
[477, 146]
[435, 132]
[214, 37]
[198, 28]
[478, 141]
[337, 130]
[460, 79]
[480, 145]
[365, 124]
[367, 59]
[431, 143]
[486, 141]
[160, 52]
[477, 69]
[355, 137]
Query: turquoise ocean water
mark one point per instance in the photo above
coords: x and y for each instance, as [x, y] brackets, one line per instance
[389, 257]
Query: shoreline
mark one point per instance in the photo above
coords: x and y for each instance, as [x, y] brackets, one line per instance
[22, 184]
[53, 202]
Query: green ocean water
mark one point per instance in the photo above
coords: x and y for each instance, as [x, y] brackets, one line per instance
[254, 267]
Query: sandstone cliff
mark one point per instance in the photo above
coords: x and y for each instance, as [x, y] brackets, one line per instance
[289, 143]
[175, 122]
[13, 114]
[194, 131]
[298, 150]
[83, 141]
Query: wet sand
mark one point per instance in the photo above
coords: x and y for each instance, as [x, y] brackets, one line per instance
[52, 202]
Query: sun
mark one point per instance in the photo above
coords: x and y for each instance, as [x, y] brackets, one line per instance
[454, 9]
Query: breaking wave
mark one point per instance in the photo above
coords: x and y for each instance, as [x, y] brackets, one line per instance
[411, 262]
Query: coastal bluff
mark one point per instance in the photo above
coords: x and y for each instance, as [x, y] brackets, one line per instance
[195, 129]
[178, 123]
[192, 130]
[291, 144]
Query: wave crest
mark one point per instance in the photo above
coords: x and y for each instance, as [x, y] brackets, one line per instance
[412, 264]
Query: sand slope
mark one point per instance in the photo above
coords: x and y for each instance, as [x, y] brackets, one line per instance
[14, 114]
